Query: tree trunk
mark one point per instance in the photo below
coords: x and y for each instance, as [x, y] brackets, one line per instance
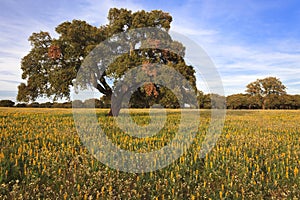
[115, 108]
[121, 93]
[263, 105]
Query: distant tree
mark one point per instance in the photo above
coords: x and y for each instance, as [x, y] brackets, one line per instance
[93, 103]
[78, 104]
[296, 101]
[217, 101]
[238, 101]
[67, 105]
[290, 101]
[106, 101]
[275, 101]
[56, 105]
[63, 105]
[34, 105]
[200, 98]
[46, 105]
[89, 103]
[264, 89]
[6, 103]
[99, 103]
[207, 101]
[21, 105]
[254, 102]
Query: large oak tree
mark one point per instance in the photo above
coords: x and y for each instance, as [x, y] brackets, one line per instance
[52, 64]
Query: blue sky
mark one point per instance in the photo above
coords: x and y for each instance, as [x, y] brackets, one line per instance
[246, 39]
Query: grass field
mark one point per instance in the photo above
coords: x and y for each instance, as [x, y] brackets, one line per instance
[256, 157]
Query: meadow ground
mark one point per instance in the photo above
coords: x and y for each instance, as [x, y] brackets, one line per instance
[256, 157]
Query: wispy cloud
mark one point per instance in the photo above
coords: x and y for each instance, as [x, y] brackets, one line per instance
[246, 40]
[10, 95]
[7, 73]
[240, 65]
[9, 81]
[246, 44]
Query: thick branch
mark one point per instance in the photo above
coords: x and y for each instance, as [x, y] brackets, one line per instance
[101, 89]
[103, 82]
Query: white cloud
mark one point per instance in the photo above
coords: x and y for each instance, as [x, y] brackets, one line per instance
[18, 23]
[238, 60]
[193, 31]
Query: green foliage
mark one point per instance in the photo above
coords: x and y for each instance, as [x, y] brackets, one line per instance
[34, 105]
[209, 101]
[268, 93]
[122, 19]
[21, 105]
[266, 89]
[238, 101]
[93, 103]
[52, 64]
[6, 103]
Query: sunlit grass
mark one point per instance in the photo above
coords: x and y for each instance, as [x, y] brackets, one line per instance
[257, 156]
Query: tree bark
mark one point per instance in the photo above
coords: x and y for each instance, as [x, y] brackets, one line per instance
[115, 109]
[105, 89]
[263, 105]
[120, 93]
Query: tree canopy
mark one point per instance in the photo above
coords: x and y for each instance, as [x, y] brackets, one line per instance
[6, 103]
[52, 64]
[265, 89]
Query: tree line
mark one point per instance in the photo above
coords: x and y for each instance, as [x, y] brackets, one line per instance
[90, 103]
[267, 93]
